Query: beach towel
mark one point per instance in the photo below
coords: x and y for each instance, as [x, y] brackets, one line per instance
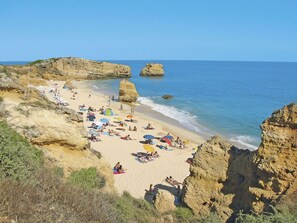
[116, 172]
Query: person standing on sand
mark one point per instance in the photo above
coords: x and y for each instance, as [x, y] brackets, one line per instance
[121, 106]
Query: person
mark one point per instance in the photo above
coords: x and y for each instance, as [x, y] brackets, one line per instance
[135, 129]
[89, 95]
[120, 169]
[127, 137]
[149, 126]
[178, 191]
[121, 106]
[112, 98]
[117, 166]
[151, 188]
[155, 154]
[130, 128]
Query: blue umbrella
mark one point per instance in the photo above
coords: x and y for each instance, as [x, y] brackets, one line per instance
[168, 137]
[148, 137]
[104, 120]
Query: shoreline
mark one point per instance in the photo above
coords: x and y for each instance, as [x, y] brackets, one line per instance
[138, 176]
[204, 132]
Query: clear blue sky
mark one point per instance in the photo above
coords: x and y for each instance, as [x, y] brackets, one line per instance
[256, 30]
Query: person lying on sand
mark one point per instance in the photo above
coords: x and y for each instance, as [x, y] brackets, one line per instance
[127, 137]
[172, 181]
[118, 168]
[149, 126]
[93, 138]
[155, 154]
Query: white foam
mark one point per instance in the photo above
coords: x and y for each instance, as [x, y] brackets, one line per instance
[94, 86]
[183, 117]
[246, 141]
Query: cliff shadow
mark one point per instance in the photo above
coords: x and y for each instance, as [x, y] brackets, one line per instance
[240, 176]
[150, 195]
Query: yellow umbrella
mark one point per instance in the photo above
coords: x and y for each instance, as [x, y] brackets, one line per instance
[149, 148]
[118, 118]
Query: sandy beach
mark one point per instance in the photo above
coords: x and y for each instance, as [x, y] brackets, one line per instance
[138, 176]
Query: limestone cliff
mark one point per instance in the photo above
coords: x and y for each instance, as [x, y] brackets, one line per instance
[127, 91]
[276, 158]
[152, 69]
[225, 179]
[69, 68]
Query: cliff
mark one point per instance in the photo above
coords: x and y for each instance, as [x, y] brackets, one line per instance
[225, 179]
[69, 68]
[152, 69]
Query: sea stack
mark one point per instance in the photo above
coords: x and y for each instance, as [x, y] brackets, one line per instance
[127, 91]
[152, 70]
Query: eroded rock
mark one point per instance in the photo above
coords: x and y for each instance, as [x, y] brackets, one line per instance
[152, 69]
[127, 91]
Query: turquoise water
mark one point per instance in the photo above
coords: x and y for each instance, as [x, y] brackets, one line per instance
[210, 97]
[229, 98]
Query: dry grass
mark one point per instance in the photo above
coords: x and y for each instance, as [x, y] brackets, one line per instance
[52, 200]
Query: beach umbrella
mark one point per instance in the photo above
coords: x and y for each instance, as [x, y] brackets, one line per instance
[148, 136]
[118, 118]
[104, 120]
[130, 116]
[186, 141]
[108, 112]
[168, 137]
[149, 148]
[167, 140]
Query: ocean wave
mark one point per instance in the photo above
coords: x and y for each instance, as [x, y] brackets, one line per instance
[183, 117]
[94, 86]
[246, 141]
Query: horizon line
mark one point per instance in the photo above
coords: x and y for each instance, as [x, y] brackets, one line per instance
[202, 60]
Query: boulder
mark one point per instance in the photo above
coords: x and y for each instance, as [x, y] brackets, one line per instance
[164, 201]
[127, 92]
[152, 69]
[167, 96]
[69, 68]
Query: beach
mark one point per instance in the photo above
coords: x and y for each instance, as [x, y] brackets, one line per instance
[138, 176]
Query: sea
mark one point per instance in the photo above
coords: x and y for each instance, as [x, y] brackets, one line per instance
[228, 98]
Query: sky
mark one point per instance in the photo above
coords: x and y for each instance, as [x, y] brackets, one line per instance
[239, 30]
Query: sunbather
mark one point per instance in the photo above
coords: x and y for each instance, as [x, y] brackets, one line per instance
[127, 137]
[149, 126]
[172, 181]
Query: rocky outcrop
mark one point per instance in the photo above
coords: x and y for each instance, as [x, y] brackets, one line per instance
[127, 92]
[39, 125]
[164, 201]
[69, 68]
[225, 179]
[218, 178]
[276, 158]
[152, 69]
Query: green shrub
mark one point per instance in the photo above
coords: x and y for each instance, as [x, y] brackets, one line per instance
[35, 62]
[183, 214]
[134, 210]
[87, 178]
[276, 216]
[18, 158]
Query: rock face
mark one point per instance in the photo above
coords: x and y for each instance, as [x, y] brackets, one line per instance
[276, 158]
[69, 68]
[225, 179]
[164, 201]
[152, 69]
[39, 126]
[127, 91]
